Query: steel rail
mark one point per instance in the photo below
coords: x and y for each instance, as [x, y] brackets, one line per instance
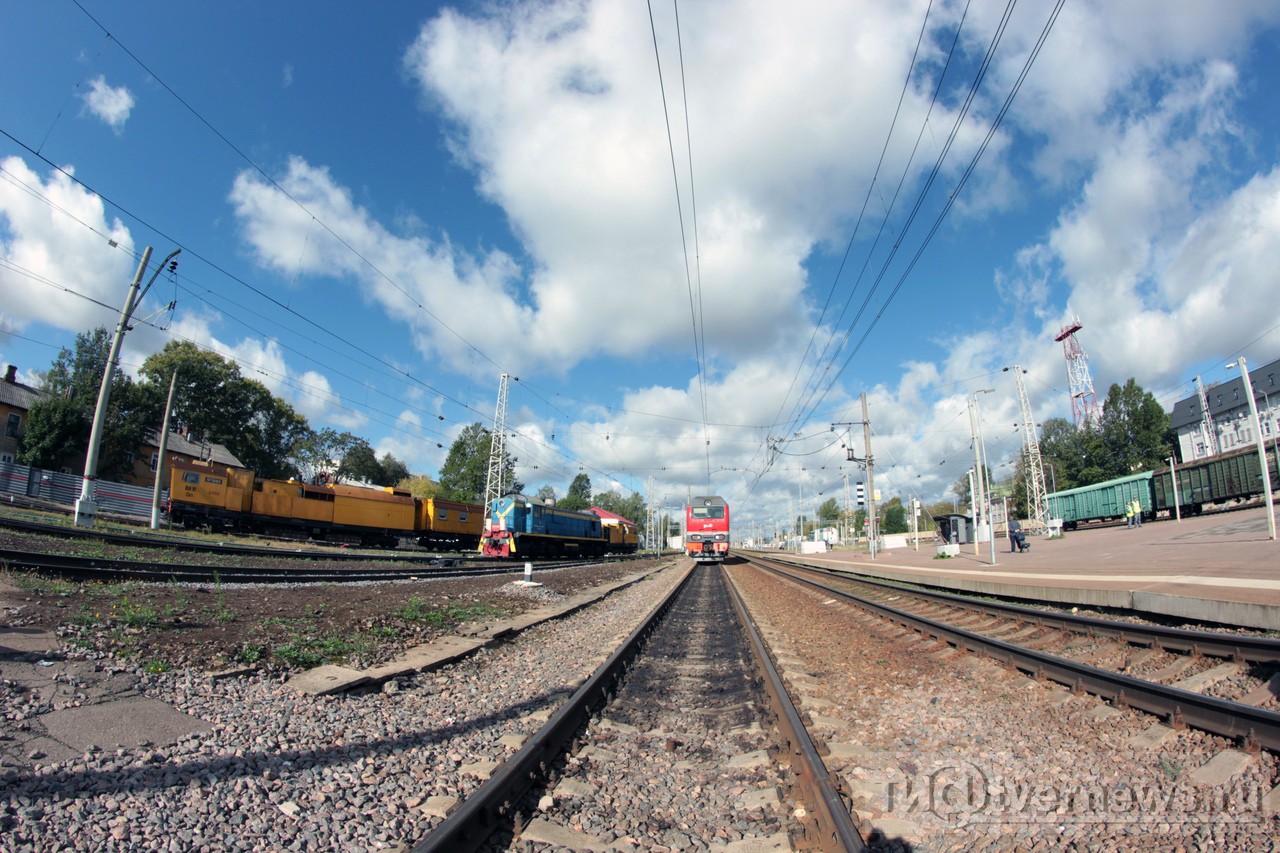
[1237, 646]
[1253, 726]
[495, 804]
[108, 569]
[831, 827]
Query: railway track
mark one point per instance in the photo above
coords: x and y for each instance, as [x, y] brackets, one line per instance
[151, 539]
[696, 705]
[1118, 661]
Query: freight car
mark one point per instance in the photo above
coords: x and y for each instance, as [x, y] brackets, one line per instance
[519, 526]
[706, 529]
[1235, 475]
[224, 498]
[1217, 479]
[1103, 501]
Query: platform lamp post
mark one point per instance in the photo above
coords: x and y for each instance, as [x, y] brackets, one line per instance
[983, 466]
[1262, 447]
[86, 505]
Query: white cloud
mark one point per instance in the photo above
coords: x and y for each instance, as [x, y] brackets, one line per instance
[112, 104]
[55, 267]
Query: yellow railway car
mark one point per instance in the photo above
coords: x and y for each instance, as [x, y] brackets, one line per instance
[219, 497]
[215, 496]
[444, 523]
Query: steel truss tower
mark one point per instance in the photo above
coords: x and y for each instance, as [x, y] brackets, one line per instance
[1084, 403]
[1206, 421]
[493, 481]
[1035, 466]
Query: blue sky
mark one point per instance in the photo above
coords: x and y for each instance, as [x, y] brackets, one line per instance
[382, 211]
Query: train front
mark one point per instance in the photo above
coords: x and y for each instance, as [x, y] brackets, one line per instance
[502, 521]
[706, 529]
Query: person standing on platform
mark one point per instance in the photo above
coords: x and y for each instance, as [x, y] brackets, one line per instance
[1015, 529]
[1128, 514]
[1137, 512]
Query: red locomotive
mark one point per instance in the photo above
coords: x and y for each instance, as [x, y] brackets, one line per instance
[706, 529]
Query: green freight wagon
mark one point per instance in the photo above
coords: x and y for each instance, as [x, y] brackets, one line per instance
[1101, 501]
[1215, 480]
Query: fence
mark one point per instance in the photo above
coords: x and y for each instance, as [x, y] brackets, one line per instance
[64, 489]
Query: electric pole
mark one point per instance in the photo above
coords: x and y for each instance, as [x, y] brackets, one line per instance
[86, 505]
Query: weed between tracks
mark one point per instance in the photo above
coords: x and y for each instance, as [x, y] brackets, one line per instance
[168, 625]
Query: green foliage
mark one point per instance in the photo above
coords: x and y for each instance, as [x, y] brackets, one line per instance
[1134, 435]
[894, 517]
[136, 615]
[632, 508]
[463, 474]
[417, 610]
[57, 431]
[420, 486]
[393, 470]
[579, 496]
[215, 403]
[58, 425]
[1134, 430]
[250, 653]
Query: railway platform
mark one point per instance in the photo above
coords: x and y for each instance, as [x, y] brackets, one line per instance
[1219, 568]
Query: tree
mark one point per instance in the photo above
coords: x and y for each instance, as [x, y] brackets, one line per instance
[210, 401]
[546, 495]
[420, 486]
[213, 402]
[465, 469]
[829, 512]
[1134, 430]
[57, 430]
[894, 517]
[393, 470]
[359, 461]
[579, 496]
[268, 440]
[632, 508]
[58, 426]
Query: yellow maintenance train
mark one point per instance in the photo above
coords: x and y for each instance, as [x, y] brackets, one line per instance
[224, 498]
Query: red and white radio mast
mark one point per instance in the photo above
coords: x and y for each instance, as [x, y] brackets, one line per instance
[1084, 403]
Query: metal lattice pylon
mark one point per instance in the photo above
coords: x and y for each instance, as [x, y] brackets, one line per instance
[1084, 403]
[1035, 466]
[493, 481]
[1206, 421]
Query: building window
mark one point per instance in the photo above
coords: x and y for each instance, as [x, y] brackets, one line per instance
[6, 457]
[11, 428]
[128, 457]
[155, 457]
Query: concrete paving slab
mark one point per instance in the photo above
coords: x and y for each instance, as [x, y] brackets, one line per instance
[129, 722]
[23, 641]
[327, 679]
[1218, 567]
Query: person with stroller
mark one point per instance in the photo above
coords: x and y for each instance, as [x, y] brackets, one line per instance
[1017, 539]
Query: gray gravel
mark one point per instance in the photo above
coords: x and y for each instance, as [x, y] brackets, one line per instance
[284, 771]
[944, 751]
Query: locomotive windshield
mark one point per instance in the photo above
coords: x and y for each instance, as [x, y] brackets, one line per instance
[707, 511]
